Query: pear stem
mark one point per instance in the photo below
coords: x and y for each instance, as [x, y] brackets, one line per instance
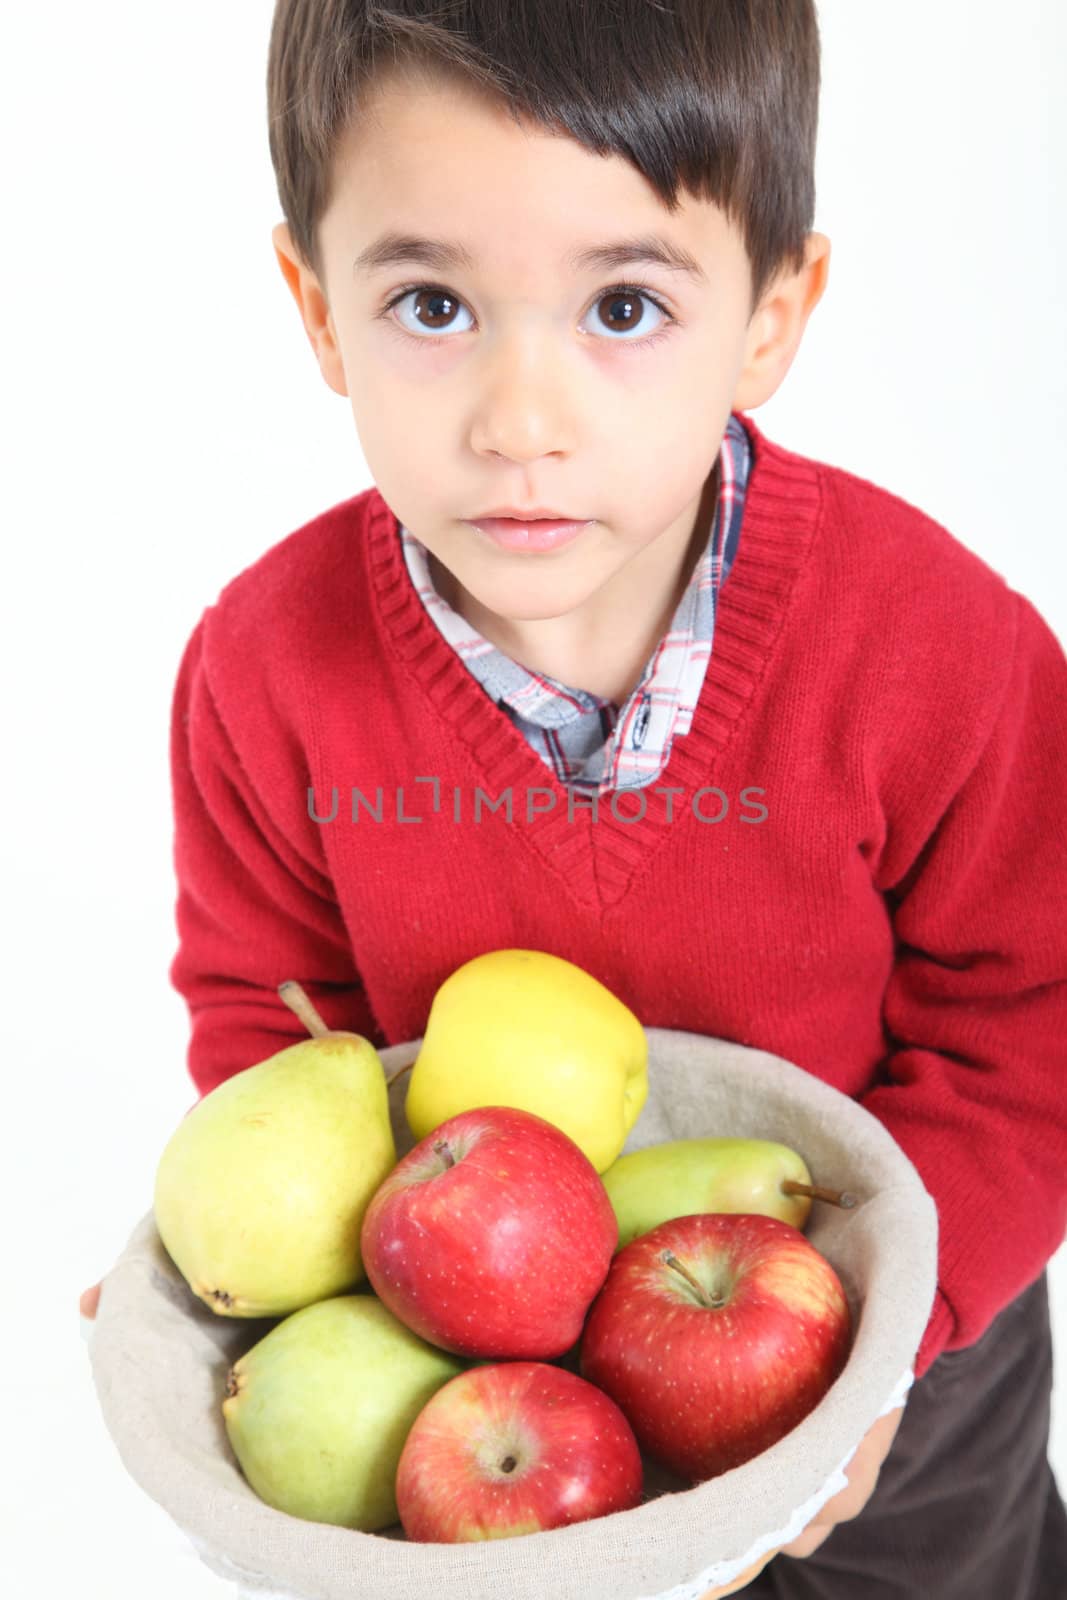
[815, 1191]
[297, 1000]
[672, 1261]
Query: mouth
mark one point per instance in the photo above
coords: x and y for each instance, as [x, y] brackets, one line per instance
[544, 533]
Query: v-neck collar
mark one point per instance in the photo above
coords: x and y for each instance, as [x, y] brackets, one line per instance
[597, 860]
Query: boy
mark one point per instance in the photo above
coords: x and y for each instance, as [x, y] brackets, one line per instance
[725, 627]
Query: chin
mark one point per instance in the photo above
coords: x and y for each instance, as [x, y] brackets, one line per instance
[521, 606]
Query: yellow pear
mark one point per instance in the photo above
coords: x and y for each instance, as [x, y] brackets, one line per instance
[528, 1029]
[261, 1189]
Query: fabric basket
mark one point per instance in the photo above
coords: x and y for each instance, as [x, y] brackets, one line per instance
[159, 1360]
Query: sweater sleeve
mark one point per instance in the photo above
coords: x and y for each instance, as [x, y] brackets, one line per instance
[252, 909]
[976, 1004]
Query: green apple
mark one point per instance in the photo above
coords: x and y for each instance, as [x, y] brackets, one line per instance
[527, 1029]
[318, 1411]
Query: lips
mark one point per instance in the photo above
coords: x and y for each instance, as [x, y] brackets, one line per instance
[544, 533]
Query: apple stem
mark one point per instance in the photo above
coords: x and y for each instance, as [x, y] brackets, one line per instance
[297, 1000]
[441, 1149]
[672, 1261]
[399, 1073]
[815, 1191]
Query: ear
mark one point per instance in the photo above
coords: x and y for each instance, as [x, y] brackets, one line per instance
[313, 307]
[777, 325]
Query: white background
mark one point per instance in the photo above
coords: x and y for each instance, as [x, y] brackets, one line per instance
[166, 424]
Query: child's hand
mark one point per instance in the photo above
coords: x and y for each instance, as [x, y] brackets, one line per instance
[862, 1474]
[89, 1301]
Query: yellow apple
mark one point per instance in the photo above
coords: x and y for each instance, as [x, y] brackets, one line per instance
[528, 1029]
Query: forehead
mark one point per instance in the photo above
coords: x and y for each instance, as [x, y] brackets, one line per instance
[436, 171]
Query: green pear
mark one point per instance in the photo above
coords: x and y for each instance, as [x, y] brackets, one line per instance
[261, 1189]
[687, 1176]
[319, 1410]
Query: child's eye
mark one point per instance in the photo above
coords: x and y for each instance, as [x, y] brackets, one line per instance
[622, 307]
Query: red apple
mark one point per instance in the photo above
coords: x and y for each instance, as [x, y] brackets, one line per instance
[491, 1237]
[514, 1448]
[716, 1334]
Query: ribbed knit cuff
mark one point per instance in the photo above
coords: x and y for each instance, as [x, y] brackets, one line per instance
[939, 1331]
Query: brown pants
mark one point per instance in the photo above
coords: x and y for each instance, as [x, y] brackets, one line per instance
[966, 1506]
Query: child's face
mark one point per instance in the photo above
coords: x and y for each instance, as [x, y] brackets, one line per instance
[531, 384]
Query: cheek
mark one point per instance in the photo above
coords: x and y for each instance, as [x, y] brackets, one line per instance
[406, 359]
[658, 474]
[661, 457]
[669, 400]
[396, 408]
[389, 375]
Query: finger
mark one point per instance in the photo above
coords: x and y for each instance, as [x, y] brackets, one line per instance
[741, 1581]
[89, 1301]
[806, 1543]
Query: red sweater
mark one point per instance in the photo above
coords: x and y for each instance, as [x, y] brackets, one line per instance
[856, 858]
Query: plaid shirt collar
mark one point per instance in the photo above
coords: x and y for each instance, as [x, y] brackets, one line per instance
[587, 740]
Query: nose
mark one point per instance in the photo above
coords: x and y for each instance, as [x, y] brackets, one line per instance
[525, 407]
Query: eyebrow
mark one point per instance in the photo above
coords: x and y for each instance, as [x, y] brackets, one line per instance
[442, 255]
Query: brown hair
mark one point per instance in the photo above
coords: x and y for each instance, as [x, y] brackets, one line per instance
[716, 97]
